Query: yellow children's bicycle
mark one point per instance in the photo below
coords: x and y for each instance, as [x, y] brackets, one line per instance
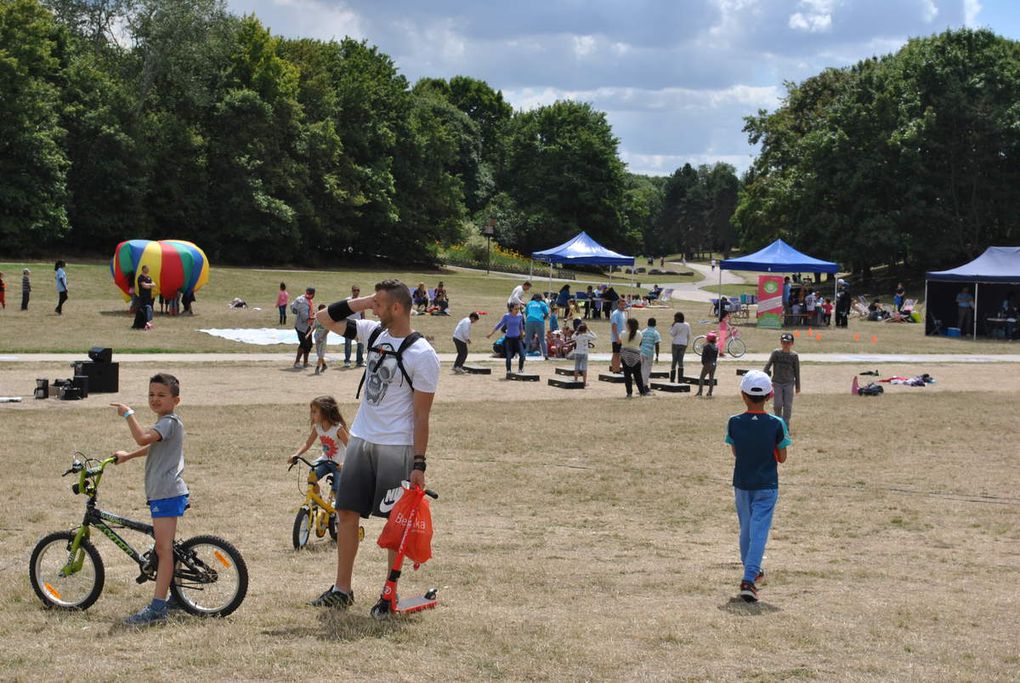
[316, 515]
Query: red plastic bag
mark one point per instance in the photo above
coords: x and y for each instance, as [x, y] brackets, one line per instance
[412, 509]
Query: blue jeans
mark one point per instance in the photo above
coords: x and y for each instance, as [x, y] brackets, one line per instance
[754, 510]
[347, 351]
[512, 345]
[531, 328]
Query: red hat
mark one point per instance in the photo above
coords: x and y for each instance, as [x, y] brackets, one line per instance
[710, 337]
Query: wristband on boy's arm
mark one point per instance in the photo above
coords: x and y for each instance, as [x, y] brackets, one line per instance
[128, 413]
[419, 465]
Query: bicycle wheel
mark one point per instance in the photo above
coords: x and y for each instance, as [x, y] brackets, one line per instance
[736, 347]
[302, 529]
[54, 586]
[210, 578]
[698, 344]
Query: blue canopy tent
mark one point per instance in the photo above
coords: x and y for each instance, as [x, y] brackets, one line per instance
[581, 250]
[778, 257]
[998, 269]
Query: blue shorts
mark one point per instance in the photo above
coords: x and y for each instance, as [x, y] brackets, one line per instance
[325, 467]
[169, 507]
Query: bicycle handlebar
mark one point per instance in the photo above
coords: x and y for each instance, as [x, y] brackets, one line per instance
[296, 462]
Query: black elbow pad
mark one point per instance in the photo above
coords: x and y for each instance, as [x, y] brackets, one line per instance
[339, 310]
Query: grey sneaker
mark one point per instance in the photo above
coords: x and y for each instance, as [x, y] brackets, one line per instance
[334, 598]
[146, 617]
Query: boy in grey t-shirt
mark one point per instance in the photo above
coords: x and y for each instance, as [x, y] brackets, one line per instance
[163, 448]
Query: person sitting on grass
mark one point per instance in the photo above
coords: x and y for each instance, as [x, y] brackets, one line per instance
[420, 298]
[758, 442]
[162, 445]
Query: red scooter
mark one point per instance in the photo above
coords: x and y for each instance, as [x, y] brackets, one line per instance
[388, 603]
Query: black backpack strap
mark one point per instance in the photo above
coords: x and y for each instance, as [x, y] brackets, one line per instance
[405, 345]
[371, 342]
[399, 353]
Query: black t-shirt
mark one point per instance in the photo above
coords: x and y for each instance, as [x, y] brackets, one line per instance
[144, 293]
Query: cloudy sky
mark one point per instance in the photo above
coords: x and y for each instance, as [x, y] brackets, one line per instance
[675, 77]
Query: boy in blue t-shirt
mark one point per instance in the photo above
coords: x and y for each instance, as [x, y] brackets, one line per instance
[759, 442]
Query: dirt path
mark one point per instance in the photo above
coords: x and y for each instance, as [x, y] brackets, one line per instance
[238, 382]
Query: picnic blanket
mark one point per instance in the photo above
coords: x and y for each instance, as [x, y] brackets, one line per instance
[266, 336]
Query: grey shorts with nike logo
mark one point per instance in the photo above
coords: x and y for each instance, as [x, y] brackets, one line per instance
[370, 481]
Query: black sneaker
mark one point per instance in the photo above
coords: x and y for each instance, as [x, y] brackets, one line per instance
[748, 591]
[334, 598]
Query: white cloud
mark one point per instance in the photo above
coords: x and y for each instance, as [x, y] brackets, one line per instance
[971, 9]
[584, 45]
[816, 17]
[320, 19]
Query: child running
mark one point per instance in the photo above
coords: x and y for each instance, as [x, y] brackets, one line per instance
[583, 341]
[758, 441]
[330, 428]
[167, 495]
[709, 359]
[512, 324]
[461, 339]
[319, 337]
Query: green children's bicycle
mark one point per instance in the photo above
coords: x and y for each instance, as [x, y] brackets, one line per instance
[67, 572]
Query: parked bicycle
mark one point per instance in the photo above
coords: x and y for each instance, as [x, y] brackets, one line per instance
[735, 346]
[67, 572]
[317, 514]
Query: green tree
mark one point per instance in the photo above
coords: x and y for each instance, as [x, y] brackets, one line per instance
[910, 157]
[255, 173]
[32, 161]
[563, 174]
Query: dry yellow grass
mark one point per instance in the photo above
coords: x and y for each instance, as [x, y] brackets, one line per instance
[579, 537]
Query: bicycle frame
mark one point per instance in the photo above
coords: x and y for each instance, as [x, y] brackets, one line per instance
[94, 517]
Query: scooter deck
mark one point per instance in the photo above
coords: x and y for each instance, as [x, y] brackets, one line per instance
[409, 605]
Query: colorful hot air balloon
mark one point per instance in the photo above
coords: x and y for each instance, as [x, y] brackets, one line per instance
[174, 266]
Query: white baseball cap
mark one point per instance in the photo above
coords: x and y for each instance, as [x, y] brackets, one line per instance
[756, 383]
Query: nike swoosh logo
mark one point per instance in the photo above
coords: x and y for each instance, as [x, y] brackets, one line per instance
[385, 506]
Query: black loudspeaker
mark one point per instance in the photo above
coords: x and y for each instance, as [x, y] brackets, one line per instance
[70, 393]
[81, 383]
[42, 388]
[104, 378]
[100, 354]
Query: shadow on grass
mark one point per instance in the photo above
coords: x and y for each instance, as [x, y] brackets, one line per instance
[345, 627]
[738, 607]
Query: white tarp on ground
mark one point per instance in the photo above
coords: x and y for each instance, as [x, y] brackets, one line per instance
[267, 336]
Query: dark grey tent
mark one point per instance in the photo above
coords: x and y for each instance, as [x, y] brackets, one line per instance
[992, 276]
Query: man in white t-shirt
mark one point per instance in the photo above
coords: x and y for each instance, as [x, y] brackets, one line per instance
[518, 296]
[390, 434]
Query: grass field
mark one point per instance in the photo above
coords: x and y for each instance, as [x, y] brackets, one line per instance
[579, 535]
[97, 315]
[589, 540]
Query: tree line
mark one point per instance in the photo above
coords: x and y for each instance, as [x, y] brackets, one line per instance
[174, 118]
[912, 158]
